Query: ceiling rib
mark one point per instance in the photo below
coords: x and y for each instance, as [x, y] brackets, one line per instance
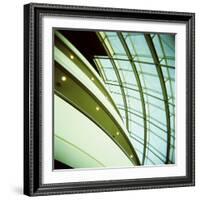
[164, 91]
[128, 53]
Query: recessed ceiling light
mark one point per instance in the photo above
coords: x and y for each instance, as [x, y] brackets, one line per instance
[72, 57]
[117, 133]
[92, 79]
[97, 108]
[63, 78]
[131, 156]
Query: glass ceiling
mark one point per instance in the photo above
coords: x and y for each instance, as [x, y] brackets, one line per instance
[139, 72]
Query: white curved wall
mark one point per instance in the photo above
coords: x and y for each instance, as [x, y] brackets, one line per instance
[79, 142]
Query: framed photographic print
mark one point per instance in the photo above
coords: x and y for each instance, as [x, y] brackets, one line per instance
[109, 99]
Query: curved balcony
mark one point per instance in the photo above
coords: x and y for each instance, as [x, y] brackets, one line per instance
[75, 90]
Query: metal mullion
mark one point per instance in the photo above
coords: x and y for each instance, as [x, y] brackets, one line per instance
[145, 62]
[122, 91]
[153, 91]
[107, 68]
[126, 70]
[150, 74]
[111, 82]
[146, 56]
[101, 71]
[136, 61]
[122, 75]
[124, 44]
[164, 91]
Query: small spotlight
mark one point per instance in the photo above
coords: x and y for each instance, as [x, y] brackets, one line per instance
[131, 156]
[97, 108]
[72, 57]
[92, 79]
[117, 133]
[63, 78]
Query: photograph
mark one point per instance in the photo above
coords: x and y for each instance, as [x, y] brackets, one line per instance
[114, 99]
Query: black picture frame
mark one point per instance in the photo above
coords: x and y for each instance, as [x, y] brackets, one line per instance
[33, 185]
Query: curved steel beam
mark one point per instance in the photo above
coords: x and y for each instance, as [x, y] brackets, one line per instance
[128, 53]
[166, 62]
[164, 91]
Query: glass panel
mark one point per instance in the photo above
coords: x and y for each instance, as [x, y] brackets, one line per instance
[158, 144]
[129, 77]
[154, 157]
[124, 65]
[152, 82]
[140, 44]
[110, 74]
